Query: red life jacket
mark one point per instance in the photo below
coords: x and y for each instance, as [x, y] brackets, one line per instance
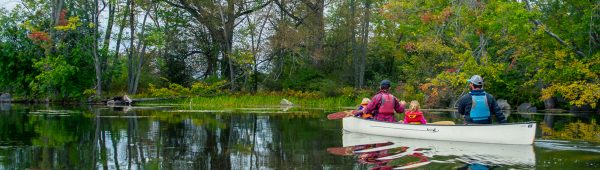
[387, 104]
[413, 117]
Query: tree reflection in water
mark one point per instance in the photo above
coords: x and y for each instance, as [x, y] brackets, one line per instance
[67, 137]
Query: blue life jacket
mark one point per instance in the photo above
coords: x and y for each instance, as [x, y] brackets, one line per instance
[480, 109]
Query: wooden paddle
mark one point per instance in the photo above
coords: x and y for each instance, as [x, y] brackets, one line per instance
[443, 123]
[348, 113]
[340, 115]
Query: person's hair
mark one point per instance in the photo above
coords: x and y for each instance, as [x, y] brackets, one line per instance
[414, 106]
[477, 86]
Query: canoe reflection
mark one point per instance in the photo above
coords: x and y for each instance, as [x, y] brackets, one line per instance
[410, 153]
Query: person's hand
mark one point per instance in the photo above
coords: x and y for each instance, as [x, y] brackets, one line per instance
[353, 113]
[504, 121]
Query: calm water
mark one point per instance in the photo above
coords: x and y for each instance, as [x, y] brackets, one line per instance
[84, 137]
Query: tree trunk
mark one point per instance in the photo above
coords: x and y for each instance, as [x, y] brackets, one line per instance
[109, 25]
[365, 44]
[132, 48]
[56, 10]
[228, 24]
[97, 61]
[317, 30]
[256, 47]
[254, 51]
[118, 43]
[142, 43]
[355, 62]
[106, 42]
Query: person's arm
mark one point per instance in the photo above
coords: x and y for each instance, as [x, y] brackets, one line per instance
[373, 104]
[423, 121]
[462, 104]
[496, 109]
[397, 106]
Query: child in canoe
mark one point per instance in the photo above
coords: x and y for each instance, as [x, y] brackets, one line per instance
[363, 106]
[414, 115]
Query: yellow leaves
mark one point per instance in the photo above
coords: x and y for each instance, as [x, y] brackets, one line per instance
[71, 24]
[89, 92]
[578, 93]
[461, 42]
[243, 57]
[28, 26]
[395, 10]
[575, 131]
[430, 45]
[561, 57]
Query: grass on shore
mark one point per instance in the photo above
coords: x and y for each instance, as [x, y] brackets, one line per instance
[260, 100]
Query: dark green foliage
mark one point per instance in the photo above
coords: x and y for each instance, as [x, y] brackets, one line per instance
[527, 51]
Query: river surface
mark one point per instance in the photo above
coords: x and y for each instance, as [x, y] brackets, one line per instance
[169, 137]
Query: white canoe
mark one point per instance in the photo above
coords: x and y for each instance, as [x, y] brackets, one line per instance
[511, 133]
[449, 151]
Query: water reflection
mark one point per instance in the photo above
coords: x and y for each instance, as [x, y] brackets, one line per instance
[411, 153]
[144, 138]
[136, 137]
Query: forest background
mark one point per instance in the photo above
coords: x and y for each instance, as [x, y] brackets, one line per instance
[544, 52]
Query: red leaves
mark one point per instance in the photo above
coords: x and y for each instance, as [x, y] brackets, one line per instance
[38, 36]
[446, 13]
[443, 16]
[426, 17]
[451, 70]
[410, 47]
[62, 21]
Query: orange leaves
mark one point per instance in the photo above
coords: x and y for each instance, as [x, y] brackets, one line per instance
[446, 13]
[62, 21]
[67, 23]
[410, 47]
[479, 31]
[428, 16]
[433, 93]
[38, 36]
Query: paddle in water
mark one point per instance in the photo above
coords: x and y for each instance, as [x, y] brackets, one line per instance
[340, 115]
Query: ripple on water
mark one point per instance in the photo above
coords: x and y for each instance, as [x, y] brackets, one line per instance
[568, 145]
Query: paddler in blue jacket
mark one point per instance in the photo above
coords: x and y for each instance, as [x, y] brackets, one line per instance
[478, 106]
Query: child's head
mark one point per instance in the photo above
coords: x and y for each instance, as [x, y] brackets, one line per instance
[365, 101]
[414, 106]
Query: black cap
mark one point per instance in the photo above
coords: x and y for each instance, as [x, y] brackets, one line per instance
[386, 83]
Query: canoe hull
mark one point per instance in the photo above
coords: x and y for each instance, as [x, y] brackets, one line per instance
[516, 133]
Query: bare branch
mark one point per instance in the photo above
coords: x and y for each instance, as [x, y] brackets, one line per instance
[253, 9]
[556, 37]
[288, 13]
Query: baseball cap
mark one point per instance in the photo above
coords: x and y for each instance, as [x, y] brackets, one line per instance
[476, 80]
[386, 83]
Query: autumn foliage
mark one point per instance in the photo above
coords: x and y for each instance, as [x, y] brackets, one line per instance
[38, 36]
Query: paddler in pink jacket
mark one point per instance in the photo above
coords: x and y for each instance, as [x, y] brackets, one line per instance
[383, 104]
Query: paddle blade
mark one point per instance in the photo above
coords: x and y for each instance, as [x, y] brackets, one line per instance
[443, 123]
[341, 151]
[340, 115]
